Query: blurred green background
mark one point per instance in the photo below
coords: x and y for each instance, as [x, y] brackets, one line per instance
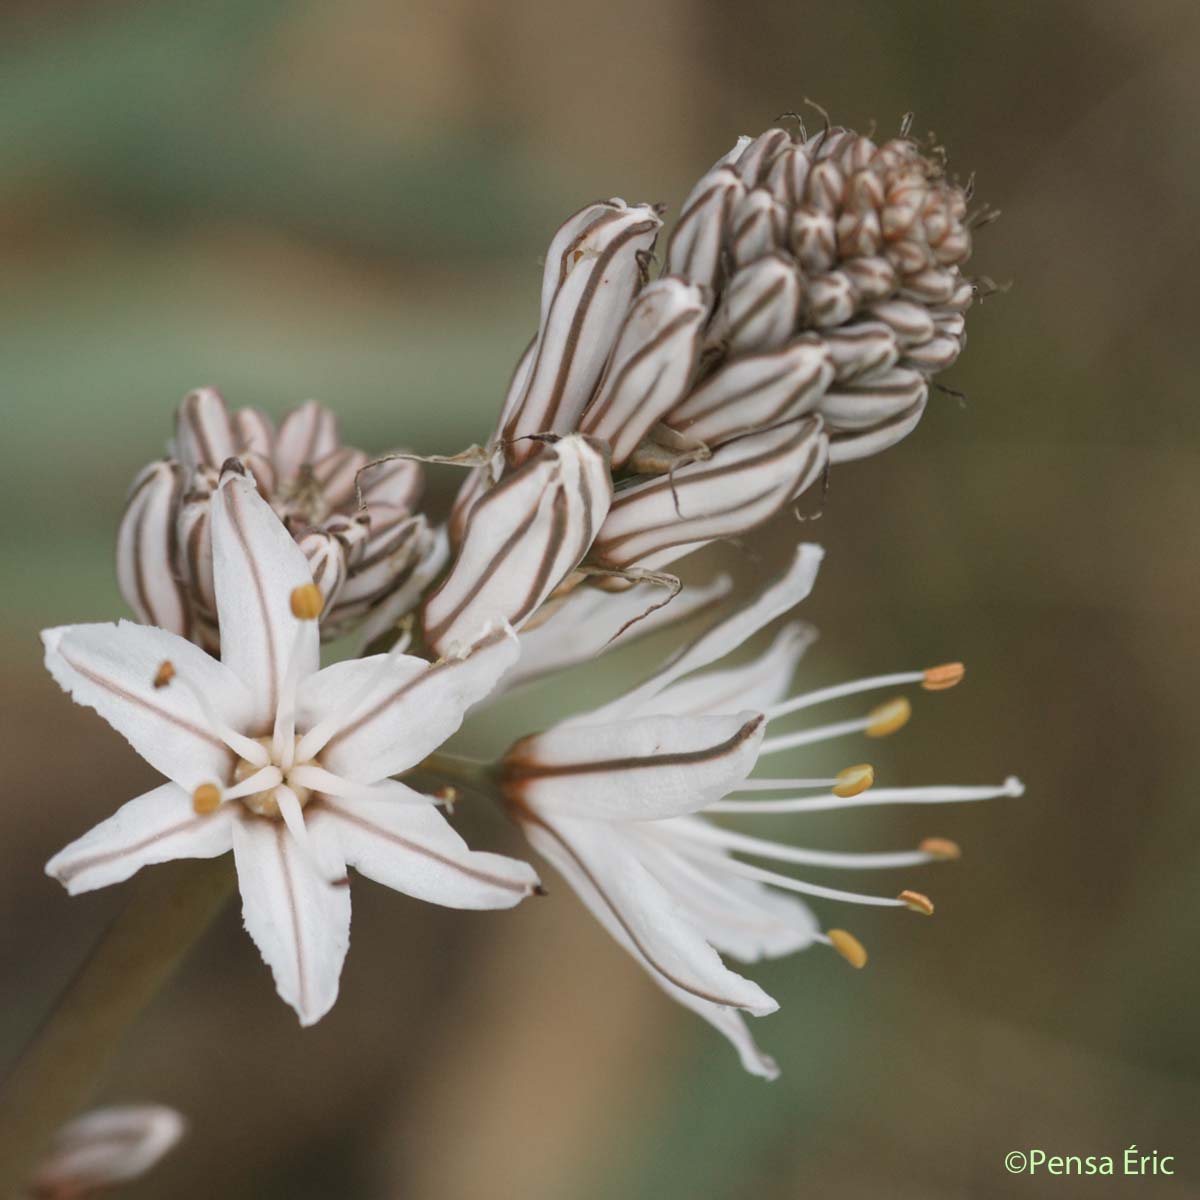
[350, 202]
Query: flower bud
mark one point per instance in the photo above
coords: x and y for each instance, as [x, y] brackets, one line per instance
[147, 549]
[694, 249]
[847, 446]
[745, 482]
[758, 227]
[105, 1148]
[653, 363]
[868, 402]
[754, 392]
[861, 348]
[521, 541]
[596, 277]
[204, 434]
[759, 308]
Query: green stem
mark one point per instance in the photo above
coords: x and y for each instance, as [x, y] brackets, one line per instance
[59, 1070]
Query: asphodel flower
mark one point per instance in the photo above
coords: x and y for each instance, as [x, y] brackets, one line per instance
[286, 764]
[521, 541]
[363, 557]
[106, 1148]
[620, 801]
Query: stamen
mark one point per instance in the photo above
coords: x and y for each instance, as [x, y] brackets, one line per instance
[917, 901]
[307, 602]
[283, 736]
[775, 785]
[853, 780]
[941, 848]
[293, 817]
[853, 688]
[734, 866]
[849, 947]
[206, 799]
[706, 834]
[318, 779]
[260, 781]
[938, 679]
[164, 674]
[253, 752]
[889, 717]
[1011, 787]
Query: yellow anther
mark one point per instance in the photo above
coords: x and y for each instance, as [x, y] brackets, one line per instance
[206, 799]
[889, 717]
[307, 602]
[940, 848]
[849, 947]
[853, 780]
[917, 901]
[938, 679]
[164, 674]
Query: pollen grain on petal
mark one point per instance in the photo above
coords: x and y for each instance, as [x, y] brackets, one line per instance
[947, 675]
[307, 602]
[164, 674]
[917, 901]
[940, 847]
[889, 717]
[849, 947]
[206, 799]
[851, 781]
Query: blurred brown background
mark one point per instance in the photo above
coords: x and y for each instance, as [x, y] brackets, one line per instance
[349, 202]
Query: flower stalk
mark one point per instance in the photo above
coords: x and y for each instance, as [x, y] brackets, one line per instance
[60, 1068]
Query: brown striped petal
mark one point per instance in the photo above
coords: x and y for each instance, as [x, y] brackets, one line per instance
[204, 435]
[845, 447]
[861, 349]
[254, 432]
[602, 270]
[744, 483]
[306, 434]
[759, 307]
[522, 539]
[759, 226]
[875, 399]
[755, 392]
[655, 357]
[696, 243]
[147, 549]
[635, 770]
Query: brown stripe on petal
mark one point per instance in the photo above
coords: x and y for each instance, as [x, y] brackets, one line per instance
[541, 582]
[77, 868]
[395, 839]
[516, 769]
[143, 702]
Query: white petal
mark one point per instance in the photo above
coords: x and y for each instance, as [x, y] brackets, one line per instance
[411, 848]
[598, 862]
[726, 635]
[589, 621]
[845, 447]
[392, 711]
[757, 684]
[744, 483]
[306, 434]
[645, 769]
[741, 917]
[106, 1147]
[256, 567]
[147, 570]
[299, 921]
[112, 669]
[156, 827]
[522, 539]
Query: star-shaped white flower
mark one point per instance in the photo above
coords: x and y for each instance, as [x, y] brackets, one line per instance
[618, 800]
[284, 763]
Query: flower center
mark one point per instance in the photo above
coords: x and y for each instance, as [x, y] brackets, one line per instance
[265, 803]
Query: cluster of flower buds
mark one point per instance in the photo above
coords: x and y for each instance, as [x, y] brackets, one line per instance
[371, 553]
[812, 287]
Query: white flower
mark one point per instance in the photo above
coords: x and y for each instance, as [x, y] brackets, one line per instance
[614, 800]
[105, 1147]
[285, 764]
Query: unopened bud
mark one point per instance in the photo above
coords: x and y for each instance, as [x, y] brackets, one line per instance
[655, 357]
[745, 482]
[695, 247]
[521, 540]
[147, 563]
[599, 274]
[760, 307]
